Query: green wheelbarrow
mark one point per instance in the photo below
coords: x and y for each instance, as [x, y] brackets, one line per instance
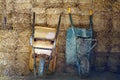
[79, 43]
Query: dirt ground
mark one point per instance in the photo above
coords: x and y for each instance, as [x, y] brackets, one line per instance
[93, 76]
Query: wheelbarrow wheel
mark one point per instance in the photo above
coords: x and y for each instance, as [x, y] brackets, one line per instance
[41, 67]
[83, 67]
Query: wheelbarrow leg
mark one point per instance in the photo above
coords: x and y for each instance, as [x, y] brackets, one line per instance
[83, 66]
[41, 67]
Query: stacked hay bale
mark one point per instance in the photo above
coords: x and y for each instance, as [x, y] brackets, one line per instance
[18, 12]
[54, 3]
[8, 45]
[102, 28]
[16, 49]
[21, 21]
[84, 7]
[53, 16]
[113, 61]
[39, 7]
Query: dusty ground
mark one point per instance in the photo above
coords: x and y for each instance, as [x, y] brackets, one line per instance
[93, 76]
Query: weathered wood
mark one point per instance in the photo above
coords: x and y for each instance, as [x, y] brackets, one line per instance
[44, 33]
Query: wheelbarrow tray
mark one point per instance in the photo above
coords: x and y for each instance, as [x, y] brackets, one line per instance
[71, 55]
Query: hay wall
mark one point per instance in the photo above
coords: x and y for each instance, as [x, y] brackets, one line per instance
[19, 14]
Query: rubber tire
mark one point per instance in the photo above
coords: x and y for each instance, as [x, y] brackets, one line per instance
[83, 66]
[41, 67]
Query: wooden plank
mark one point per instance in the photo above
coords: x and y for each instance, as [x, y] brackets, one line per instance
[44, 32]
[43, 44]
[42, 51]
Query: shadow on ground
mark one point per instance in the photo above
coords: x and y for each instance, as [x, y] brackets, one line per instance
[93, 76]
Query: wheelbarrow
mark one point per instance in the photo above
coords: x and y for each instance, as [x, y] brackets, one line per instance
[43, 42]
[79, 44]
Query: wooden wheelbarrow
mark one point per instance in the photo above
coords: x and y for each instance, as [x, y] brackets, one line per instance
[43, 53]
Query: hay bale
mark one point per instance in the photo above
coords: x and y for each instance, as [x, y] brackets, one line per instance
[84, 20]
[101, 21]
[22, 7]
[22, 1]
[53, 16]
[8, 6]
[84, 1]
[114, 62]
[23, 41]
[102, 42]
[1, 18]
[70, 3]
[8, 40]
[101, 5]
[39, 3]
[115, 22]
[84, 7]
[22, 49]
[39, 10]
[100, 61]
[14, 63]
[7, 63]
[22, 61]
[1, 6]
[52, 20]
[115, 45]
[54, 11]
[115, 34]
[116, 6]
[20, 27]
[21, 18]
[40, 18]
[54, 3]
[1, 11]
[23, 38]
